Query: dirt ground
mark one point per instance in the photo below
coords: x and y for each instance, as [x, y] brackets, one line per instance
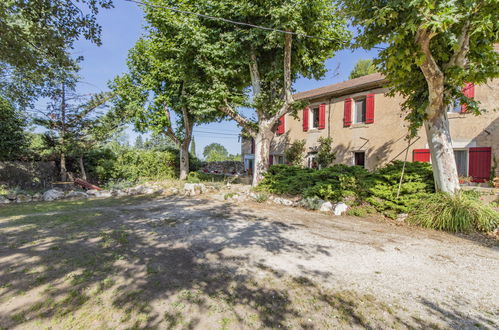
[203, 263]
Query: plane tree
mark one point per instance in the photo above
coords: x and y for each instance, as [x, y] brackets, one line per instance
[168, 88]
[432, 49]
[267, 61]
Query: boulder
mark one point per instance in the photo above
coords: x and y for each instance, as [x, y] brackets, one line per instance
[103, 194]
[52, 195]
[23, 198]
[4, 200]
[76, 195]
[11, 197]
[402, 217]
[119, 193]
[340, 208]
[282, 201]
[92, 192]
[326, 207]
[37, 197]
[193, 189]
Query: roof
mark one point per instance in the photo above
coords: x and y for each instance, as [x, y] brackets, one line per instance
[342, 88]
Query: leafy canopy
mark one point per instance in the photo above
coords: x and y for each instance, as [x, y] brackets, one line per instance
[394, 24]
[13, 139]
[362, 68]
[35, 42]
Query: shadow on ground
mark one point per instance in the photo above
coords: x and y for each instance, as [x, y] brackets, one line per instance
[138, 263]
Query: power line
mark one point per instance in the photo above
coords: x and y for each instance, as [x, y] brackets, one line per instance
[230, 21]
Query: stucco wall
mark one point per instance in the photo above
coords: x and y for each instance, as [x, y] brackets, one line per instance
[384, 140]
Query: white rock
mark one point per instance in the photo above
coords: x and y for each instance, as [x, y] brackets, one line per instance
[4, 200]
[119, 193]
[326, 207]
[92, 192]
[76, 195]
[340, 208]
[193, 189]
[283, 201]
[173, 191]
[52, 195]
[103, 194]
[402, 216]
[11, 197]
[23, 198]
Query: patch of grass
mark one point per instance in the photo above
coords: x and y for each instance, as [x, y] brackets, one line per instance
[229, 195]
[462, 212]
[361, 211]
[114, 238]
[261, 198]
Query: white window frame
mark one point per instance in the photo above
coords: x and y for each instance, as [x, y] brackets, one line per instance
[310, 158]
[354, 121]
[467, 152]
[311, 116]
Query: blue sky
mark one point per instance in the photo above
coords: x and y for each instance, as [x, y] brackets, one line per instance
[123, 25]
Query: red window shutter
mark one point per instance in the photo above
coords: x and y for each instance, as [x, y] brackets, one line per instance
[370, 109]
[252, 146]
[480, 159]
[280, 128]
[468, 91]
[322, 116]
[347, 117]
[305, 119]
[421, 155]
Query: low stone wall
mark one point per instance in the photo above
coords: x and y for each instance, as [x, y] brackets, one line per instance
[28, 175]
[225, 167]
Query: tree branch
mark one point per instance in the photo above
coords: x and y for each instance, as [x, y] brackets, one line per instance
[459, 56]
[288, 93]
[244, 122]
[431, 71]
[169, 130]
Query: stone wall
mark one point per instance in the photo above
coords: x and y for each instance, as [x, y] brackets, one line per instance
[28, 175]
[225, 167]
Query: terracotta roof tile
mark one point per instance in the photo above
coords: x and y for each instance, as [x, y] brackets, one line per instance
[375, 79]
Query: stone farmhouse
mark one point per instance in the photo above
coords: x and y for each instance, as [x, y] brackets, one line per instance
[368, 129]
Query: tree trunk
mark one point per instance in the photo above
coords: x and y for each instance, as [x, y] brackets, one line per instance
[64, 172]
[442, 153]
[184, 159]
[82, 168]
[262, 152]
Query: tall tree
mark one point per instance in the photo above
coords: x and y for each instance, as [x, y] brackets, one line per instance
[214, 152]
[268, 62]
[168, 88]
[433, 49]
[36, 39]
[139, 142]
[13, 139]
[362, 68]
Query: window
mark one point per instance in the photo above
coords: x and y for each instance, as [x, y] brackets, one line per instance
[311, 161]
[360, 111]
[278, 159]
[359, 158]
[461, 162]
[314, 118]
[455, 107]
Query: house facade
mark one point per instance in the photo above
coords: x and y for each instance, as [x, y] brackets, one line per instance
[368, 128]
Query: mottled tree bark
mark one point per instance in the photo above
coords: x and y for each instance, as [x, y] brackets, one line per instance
[263, 139]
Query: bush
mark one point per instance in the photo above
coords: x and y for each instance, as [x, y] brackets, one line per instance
[461, 212]
[417, 183]
[325, 154]
[198, 177]
[295, 152]
[311, 203]
[355, 184]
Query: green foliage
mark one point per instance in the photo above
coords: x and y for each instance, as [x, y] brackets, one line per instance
[134, 164]
[417, 183]
[362, 68]
[198, 177]
[295, 152]
[361, 211]
[13, 139]
[37, 39]
[396, 24]
[193, 147]
[325, 154]
[462, 212]
[215, 152]
[261, 197]
[311, 203]
[355, 185]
